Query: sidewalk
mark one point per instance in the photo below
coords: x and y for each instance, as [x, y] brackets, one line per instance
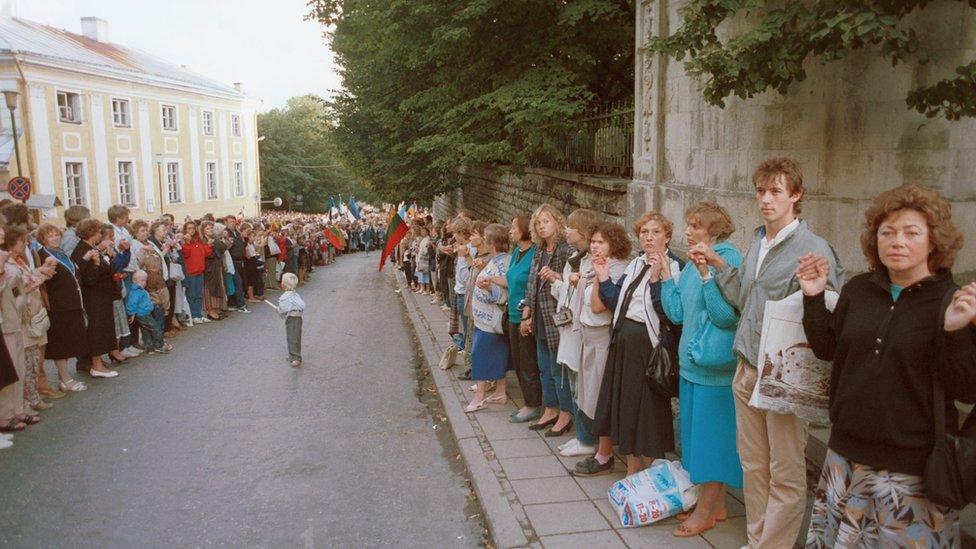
[524, 486]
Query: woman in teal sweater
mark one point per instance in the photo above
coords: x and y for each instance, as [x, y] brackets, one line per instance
[693, 299]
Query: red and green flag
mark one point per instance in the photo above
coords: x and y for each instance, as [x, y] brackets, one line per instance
[335, 236]
[396, 229]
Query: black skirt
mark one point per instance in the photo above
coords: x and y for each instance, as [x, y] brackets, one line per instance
[67, 336]
[637, 420]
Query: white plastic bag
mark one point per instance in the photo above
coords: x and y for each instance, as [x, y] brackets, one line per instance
[662, 490]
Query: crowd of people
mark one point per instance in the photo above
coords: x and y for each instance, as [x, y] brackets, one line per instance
[564, 302]
[102, 293]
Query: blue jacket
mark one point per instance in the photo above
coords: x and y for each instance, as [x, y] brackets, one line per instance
[703, 312]
[138, 302]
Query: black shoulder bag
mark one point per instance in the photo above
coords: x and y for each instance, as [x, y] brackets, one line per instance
[950, 471]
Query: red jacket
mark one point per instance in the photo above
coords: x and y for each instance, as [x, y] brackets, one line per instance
[195, 254]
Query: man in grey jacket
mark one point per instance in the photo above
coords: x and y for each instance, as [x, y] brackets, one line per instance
[771, 445]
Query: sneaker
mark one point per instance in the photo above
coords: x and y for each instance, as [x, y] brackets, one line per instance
[577, 449]
[130, 352]
[296, 363]
[566, 444]
[243, 310]
[590, 467]
[161, 350]
[167, 347]
[445, 308]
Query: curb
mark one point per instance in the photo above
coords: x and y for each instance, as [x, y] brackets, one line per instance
[496, 496]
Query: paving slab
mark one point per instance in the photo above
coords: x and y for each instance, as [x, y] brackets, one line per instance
[656, 537]
[583, 540]
[566, 518]
[548, 490]
[520, 447]
[533, 467]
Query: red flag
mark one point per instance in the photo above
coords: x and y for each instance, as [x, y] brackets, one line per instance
[395, 231]
[334, 236]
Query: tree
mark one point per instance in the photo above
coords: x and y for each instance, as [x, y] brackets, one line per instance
[430, 85]
[771, 54]
[299, 157]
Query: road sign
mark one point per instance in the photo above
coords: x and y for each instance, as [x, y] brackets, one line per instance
[19, 188]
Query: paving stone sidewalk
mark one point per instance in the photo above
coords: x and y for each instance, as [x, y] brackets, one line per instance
[524, 485]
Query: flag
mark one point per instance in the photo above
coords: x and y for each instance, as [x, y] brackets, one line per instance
[412, 211]
[331, 203]
[354, 208]
[395, 231]
[335, 236]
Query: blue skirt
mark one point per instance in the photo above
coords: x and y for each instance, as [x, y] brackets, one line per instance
[423, 278]
[708, 450]
[489, 356]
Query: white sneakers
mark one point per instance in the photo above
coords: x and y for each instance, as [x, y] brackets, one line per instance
[130, 352]
[573, 448]
[201, 320]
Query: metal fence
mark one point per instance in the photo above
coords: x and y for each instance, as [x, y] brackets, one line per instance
[601, 143]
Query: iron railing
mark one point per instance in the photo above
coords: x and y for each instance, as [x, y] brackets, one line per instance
[601, 143]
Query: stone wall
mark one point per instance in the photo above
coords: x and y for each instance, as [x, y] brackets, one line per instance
[500, 194]
[847, 124]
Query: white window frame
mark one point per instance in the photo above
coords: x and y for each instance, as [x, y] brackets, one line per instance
[208, 182]
[75, 107]
[180, 198]
[238, 178]
[133, 187]
[82, 184]
[127, 122]
[203, 122]
[235, 124]
[176, 117]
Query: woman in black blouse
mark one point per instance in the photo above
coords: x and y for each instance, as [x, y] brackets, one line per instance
[891, 337]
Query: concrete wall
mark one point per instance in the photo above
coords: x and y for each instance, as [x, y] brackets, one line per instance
[847, 124]
[500, 194]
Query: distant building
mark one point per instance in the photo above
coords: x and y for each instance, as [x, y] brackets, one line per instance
[101, 124]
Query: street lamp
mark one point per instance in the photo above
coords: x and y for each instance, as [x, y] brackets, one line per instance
[11, 97]
[159, 171]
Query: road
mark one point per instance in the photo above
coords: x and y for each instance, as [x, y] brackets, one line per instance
[222, 443]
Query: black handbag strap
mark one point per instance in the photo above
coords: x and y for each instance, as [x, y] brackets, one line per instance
[628, 296]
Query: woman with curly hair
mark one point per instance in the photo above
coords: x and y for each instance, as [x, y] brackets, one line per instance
[898, 334]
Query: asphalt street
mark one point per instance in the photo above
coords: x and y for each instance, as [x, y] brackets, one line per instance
[223, 443]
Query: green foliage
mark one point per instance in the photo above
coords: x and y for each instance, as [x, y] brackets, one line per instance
[430, 85]
[771, 53]
[298, 142]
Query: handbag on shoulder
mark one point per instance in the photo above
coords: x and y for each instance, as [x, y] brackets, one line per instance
[950, 470]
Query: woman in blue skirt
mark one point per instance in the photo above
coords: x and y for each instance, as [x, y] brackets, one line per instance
[707, 417]
[489, 350]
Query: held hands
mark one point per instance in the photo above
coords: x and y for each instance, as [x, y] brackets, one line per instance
[962, 310]
[702, 254]
[525, 327]
[574, 279]
[661, 264]
[812, 274]
[483, 282]
[546, 273]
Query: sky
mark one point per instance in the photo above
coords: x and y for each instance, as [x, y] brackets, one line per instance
[264, 44]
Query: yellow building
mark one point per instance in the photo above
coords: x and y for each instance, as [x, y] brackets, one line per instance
[101, 124]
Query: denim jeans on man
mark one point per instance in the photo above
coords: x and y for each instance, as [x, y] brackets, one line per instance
[239, 284]
[463, 327]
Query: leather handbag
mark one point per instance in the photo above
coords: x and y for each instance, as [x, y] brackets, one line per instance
[662, 367]
[950, 470]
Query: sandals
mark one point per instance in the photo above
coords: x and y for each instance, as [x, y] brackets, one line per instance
[721, 517]
[13, 425]
[72, 386]
[29, 420]
[475, 406]
[497, 399]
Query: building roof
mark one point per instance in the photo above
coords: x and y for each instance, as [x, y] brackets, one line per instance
[43, 43]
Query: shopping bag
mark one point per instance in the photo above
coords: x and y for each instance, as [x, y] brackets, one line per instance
[662, 490]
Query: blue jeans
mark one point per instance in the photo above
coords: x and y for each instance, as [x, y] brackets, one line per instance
[583, 433]
[152, 329]
[556, 392]
[460, 338]
[194, 294]
[239, 284]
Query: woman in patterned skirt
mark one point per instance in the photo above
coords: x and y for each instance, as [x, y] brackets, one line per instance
[892, 338]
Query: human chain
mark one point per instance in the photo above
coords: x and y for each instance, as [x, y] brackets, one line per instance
[563, 302]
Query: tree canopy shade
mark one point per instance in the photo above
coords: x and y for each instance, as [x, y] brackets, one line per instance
[771, 54]
[430, 85]
[299, 158]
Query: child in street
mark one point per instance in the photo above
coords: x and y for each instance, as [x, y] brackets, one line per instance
[291, 307]
[139, 305]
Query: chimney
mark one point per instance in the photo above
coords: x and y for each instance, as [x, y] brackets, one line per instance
[239, 87]
[95, 28]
